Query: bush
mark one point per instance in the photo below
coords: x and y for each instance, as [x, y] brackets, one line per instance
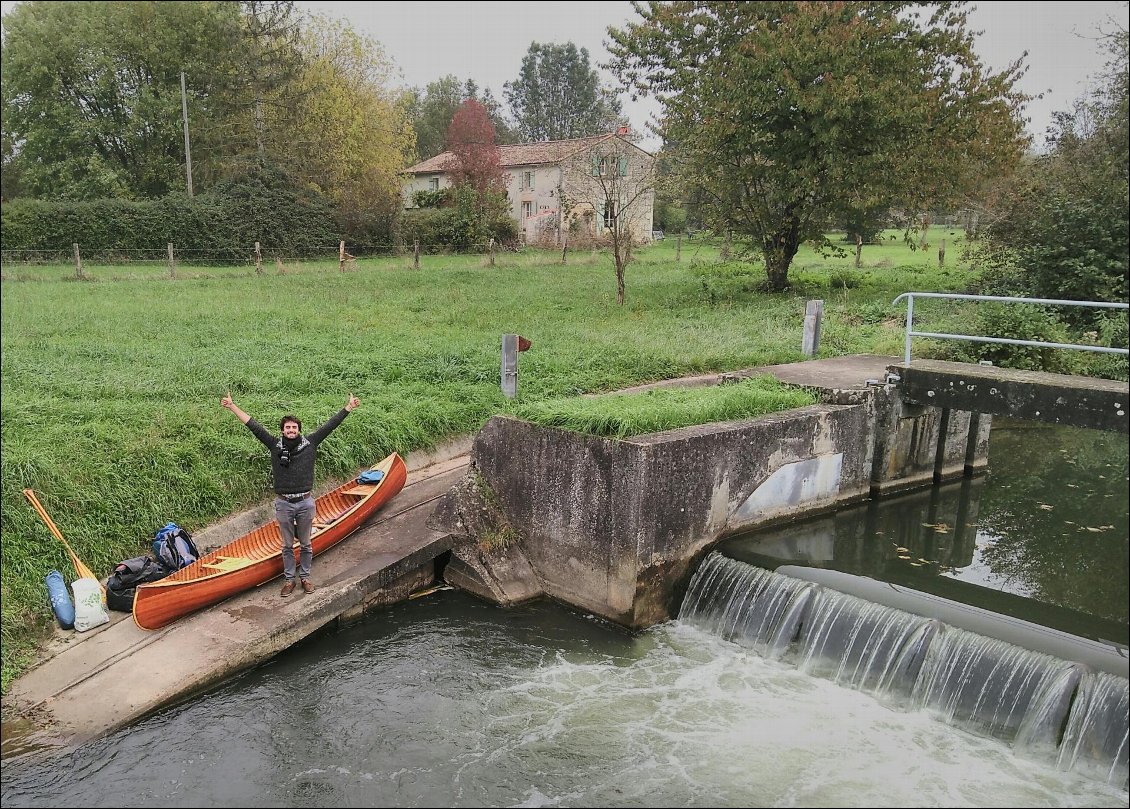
[468, 222]
[1015, 322]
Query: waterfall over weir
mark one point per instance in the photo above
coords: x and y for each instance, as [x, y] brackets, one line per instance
[1059, 711]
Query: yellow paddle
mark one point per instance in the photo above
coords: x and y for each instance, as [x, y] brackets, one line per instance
[82, 570]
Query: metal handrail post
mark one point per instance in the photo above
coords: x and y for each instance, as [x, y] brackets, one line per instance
[909, 327]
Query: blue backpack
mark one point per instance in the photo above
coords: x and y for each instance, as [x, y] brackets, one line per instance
[173, 548]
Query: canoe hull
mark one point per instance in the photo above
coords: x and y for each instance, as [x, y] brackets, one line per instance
[256, 557]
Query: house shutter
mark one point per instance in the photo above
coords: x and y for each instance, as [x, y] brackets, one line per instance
[623, 165]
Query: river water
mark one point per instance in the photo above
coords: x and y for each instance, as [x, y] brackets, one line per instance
[448, 701]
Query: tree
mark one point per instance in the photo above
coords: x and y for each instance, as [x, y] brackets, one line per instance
[475, 160]
[503, 132]
[349, 137]
[91, 95]
[271, 70]
[1061, 227]
[558, 95]
[432, 110]
[479, 184]
[785, 115]
[431, 115]
[612, 186]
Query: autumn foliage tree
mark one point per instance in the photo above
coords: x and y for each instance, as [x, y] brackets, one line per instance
[475, 159]
[476, 200]
[349, 138]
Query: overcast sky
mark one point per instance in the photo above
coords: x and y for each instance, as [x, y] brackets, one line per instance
[486, 41]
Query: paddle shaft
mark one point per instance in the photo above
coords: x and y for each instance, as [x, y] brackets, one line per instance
[82, 570]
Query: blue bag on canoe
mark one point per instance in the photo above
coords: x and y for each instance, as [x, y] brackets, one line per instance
[371, 476]
[61, 600]
[173, 548]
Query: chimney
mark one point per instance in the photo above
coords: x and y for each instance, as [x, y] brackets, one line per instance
[624, 131]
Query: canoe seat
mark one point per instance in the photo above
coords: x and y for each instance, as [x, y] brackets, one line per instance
[226, 563]
[362, 489]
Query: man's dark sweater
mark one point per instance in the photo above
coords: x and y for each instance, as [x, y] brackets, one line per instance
[298, 477]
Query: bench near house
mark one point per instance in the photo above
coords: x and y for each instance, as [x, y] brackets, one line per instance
[586, 181]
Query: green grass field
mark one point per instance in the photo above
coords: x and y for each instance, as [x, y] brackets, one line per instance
[111, 386]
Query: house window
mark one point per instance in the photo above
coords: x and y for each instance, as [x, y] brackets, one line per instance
[527, 210]
[433, 184]
[609, 165]
[609, 214]
[528, 180]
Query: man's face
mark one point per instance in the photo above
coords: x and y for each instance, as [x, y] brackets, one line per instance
[290, 430]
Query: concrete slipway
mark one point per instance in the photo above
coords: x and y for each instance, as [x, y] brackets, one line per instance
[95, 682]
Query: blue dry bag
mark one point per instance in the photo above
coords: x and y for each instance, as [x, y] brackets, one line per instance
[371, 476]
[61, 600]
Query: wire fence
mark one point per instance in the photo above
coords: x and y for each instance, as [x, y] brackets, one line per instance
[258, 257]
[262, 258]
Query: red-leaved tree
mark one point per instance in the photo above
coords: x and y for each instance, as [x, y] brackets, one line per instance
[475, 161]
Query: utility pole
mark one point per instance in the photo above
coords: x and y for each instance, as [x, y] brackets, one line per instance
[187, 148]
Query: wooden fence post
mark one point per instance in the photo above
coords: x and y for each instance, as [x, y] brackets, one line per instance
[858, 250]
[78, 263]
[679, 248]
[942, 254]
[258, 260]
[416, 255]
[490, 250]
[172, 262]
[341, 256]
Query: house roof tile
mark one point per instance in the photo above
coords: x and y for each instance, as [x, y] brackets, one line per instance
[519, 154]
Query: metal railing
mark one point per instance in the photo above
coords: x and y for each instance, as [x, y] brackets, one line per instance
[910, 332]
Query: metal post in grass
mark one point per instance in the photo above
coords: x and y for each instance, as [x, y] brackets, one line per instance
[813, 313]
[78, 263]
[258, 260]
[416, 255]
[172, 262]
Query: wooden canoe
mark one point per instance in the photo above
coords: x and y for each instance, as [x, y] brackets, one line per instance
[256, 557]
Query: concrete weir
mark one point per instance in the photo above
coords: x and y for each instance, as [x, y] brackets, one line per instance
[614, 527]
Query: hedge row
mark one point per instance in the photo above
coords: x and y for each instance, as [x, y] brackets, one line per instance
[210, 222]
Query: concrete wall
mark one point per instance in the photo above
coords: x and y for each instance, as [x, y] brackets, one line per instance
[613, 526]
[907, 454]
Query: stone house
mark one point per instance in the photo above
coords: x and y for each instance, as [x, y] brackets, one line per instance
[578, 185]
